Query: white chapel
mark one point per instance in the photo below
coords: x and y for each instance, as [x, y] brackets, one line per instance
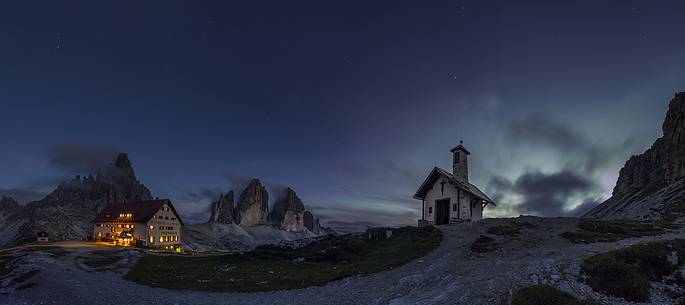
[449, 197]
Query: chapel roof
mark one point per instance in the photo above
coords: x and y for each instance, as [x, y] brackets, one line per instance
[439, 172]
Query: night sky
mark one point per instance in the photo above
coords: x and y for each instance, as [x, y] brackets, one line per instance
[351, 103]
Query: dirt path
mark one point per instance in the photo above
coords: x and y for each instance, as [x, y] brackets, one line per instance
[449, 275]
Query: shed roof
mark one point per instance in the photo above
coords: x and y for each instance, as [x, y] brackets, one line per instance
[141, 211]
[439, 172]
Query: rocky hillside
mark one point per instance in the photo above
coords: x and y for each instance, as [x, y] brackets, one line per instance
[67, 212]
[651, 185]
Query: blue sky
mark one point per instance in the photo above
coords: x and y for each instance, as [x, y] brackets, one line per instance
[350, 103]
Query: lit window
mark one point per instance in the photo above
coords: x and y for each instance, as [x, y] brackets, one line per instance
[161, 239]
[152, 227]
[152, 239]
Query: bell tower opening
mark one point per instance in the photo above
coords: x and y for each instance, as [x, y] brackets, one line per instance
[460, 162]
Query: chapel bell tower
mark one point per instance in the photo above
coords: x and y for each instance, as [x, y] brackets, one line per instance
[460, 162]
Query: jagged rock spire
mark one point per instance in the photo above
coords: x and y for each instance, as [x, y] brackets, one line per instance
[253, 204]
[222, 209]
[311, 223]
[288, 212]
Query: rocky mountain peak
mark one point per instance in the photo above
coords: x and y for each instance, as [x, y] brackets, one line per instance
[68, 210]
[311, 223]
[6, 201]
[122, 161]
[253, 203]
[222, 209]
[659, 167]
[288, 212]
[664, 162]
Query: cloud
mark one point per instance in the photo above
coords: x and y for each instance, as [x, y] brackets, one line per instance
[195, 206]
[77, 157]
[585, 207]
[194, 213]
[541, 132]
[238, 182]
[542, 194]
[207, 195]
[23, 195]
[347, 220]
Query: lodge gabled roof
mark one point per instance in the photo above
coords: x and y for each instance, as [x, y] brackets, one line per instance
[436, 173]
[141, 211]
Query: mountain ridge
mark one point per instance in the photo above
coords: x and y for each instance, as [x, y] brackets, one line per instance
[651, 185]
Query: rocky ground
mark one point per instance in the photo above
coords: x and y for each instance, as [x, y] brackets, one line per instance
[452, 274]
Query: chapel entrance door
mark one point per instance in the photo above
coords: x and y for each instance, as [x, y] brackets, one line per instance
[442, 211]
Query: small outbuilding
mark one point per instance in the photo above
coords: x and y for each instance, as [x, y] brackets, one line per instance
[449, 197]
[42, 237]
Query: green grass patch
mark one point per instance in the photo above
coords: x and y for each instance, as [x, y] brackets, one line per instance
[483, 244]
[628, 272]
[596, 230]
[546, 295]
[273, 268]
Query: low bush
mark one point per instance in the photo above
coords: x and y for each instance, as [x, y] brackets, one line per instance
[596, 230]
[628, 272]
[504, 230]
[483, 244]
[546, 295]
[514, 228]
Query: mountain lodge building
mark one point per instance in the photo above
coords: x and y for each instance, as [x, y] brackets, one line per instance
[449, 197]
[152, 223]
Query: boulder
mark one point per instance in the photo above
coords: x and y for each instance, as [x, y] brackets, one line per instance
[288, 213]
[252, 207]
